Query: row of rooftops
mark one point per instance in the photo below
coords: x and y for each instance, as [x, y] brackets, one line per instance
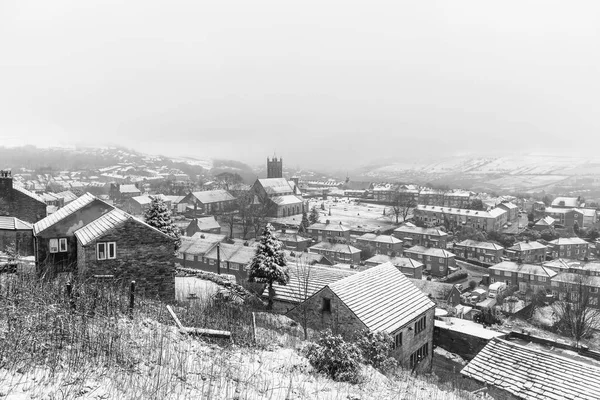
[493, 213]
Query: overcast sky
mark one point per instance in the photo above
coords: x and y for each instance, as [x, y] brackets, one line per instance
[318, 82]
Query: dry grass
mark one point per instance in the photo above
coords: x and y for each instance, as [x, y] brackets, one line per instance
[93, 348]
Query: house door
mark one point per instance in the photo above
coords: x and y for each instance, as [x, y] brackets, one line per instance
[522, 286]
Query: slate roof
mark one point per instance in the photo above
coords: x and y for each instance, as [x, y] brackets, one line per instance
[534, 374]
[306, 281]
[372, 237]
[28, 193]
[529, 269]
[14, 224]
[329, 227]
[128, 189]
[64, 212]
[199, 243]
[213, 196]
[382, 298]
[421, 231]
[567, 241]
[237, 253]
[523, 246]
[285, 200]
[276, 186]
[101, 225]
[290, 237]
[397, 261]
[546, 221]
[573, 278]
[337, 247]
[568, 201]
[480, 245]
[68, 196]
[205, 223]
[493, 213]
[430, 251]
[508, 205]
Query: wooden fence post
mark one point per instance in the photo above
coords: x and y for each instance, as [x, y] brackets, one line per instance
[131, 296]
[70, 295]
[254, 327]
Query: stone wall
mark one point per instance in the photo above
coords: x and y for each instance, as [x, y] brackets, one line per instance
[340, 320]
[463, 344]
[142, 254]
[15, 203]
[22, 239]
[411, 342]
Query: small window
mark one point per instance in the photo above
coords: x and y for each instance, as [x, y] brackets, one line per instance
[211, 261]
[397, 340]
[326, 305]
[234, 267]
[420, 325]
[53, 245]
[593, 290]
[101, 251]
[62, 245]
[112, 250]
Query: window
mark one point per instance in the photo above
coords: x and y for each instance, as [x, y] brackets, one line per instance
[593, 290]
[53, 245]
[419, 355]
[326, 305]
[542, 278]
[189, 257]
[506, 273]
[62, 245]
[234, 266]
[211, 261]
[397, 340]
[107, 251]
[180, 255]
[520, 275]
[593, 301]
[420, 325]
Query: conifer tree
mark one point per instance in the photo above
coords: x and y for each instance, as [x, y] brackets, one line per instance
[304, 224]
[314, 215]
[159, 217]
[269, 264]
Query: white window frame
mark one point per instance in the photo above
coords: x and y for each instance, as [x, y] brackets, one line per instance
[107, 251]
[53, 245]
[62, 245]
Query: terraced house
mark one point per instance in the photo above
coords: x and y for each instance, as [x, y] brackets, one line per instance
[491, 220]
[338, 252]
[437, 261]
[573, 247]
[413, 235]
[524, 276]
[329, 231]
[485, 252]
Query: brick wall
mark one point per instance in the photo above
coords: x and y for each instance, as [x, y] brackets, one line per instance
[143, 255]
[17, 204]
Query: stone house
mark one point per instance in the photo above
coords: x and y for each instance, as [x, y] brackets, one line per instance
[138, 205]
[119, 193]
[527, 252]
[293, 241]
[512, 210]
[485, 252]
[524, 276]
[429, 237]
[328, 231]
[18, 202]
[235, 259]
[280, 196]
[337, 252]
[17, 233]
[357, 302]
[544, 223]
[193, 249]
[573, 247]
[209, 202]
[304, 282]
[380, 244]
[441, 293]
[204, 225]
[55, 242]
[491, 220]
[436, 261]
[565, 202]
[409, 267]
[121, 247]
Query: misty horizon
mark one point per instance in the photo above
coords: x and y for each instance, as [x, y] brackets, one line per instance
[321, 84]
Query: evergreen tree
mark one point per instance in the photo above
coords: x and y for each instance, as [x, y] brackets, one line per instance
[159, 217]
[313, 218]
[304, 224]
[269, 264]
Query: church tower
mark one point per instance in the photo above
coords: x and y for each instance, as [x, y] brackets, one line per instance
[275, 167]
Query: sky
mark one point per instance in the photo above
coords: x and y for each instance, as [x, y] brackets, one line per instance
[321, 83]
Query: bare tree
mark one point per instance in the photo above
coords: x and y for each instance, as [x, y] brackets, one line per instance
[400, 207]
[576, 311]
[303, 271]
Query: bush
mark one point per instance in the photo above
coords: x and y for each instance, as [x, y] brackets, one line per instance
[376, 348]
[334, 357]
[472, 284]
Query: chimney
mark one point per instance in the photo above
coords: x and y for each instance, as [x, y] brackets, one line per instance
[246, 244]
[283, 230]
[6, 182]
[202, 236]
[327, 222]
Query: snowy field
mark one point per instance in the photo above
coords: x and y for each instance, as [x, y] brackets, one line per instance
[192, 286]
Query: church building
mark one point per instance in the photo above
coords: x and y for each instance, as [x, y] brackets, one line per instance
[282, 197]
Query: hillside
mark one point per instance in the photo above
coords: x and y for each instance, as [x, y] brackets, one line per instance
[91, 348]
